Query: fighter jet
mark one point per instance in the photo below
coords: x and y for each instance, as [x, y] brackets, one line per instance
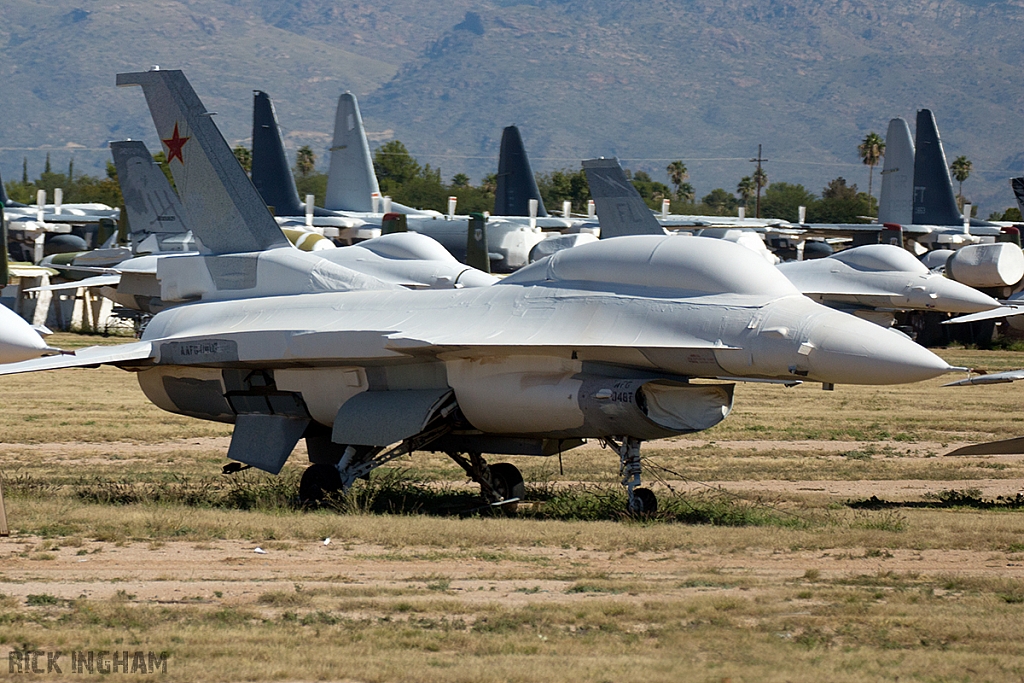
[600, 341]
[514, 240]
[872, 281]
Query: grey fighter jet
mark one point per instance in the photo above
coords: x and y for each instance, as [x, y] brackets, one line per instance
[872, 281]
[600, 341]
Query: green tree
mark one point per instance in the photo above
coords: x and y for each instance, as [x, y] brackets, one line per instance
[460, 180]
[305, 161]
[871, 150]
[841, 203]
[961, 168]
[651, 190]
[677, 175]
[244, 157]
[686, 193]
[720, 202]
[1011, 214]
[394, 166]
[781, 200]
[746, 190]
[24, 170]
[558, 186]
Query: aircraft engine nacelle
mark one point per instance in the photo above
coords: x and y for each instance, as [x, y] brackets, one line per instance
[589, 406]
[987, 265]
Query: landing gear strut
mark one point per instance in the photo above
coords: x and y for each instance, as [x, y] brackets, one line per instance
[640, 501]
[501, 484]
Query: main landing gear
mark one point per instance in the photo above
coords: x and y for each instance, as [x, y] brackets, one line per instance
[336, 468]
[501, 484]
[640, 501]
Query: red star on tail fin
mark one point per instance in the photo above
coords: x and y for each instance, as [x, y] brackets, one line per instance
[174, 145]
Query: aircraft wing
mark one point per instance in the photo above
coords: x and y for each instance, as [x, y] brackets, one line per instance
[994, 378]
[98, 281]
[1001, 312]
[92, 356]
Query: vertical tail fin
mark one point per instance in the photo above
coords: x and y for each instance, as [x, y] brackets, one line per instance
[934, 200]
[896, 201]
[153, 209]
[477, 254]
[3, 199]
[351, 179]
[516, 184]
[620, 208]
[1018, 192]
[222, 206]
[270, 173]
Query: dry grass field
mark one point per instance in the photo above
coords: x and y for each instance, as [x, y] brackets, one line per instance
[771, 563]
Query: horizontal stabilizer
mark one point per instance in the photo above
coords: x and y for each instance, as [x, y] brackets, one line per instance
[124, 354]
[1012, 446]
[224, 210]
[993, 314]
[98, 281]
[994, 378]
[620, 208]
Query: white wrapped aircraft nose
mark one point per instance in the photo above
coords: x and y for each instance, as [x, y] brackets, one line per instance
[948, 295]
[842, 349]
[18, 341]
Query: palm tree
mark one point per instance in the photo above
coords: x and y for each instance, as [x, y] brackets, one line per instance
[677, 174]
[305, 161]
[686, 193]
[961, 169]
[871, 150]
[745, 189]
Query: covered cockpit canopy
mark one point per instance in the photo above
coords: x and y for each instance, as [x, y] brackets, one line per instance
[881, 257]
[679, 265]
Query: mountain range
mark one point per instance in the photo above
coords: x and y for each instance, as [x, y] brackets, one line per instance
[704, 81]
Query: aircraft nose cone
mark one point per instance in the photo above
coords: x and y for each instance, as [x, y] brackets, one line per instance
[943, 294]
[847, 350]
[18, 341]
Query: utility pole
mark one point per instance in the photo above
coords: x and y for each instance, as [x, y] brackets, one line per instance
[758, 178]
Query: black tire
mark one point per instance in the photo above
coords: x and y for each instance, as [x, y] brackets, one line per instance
[644, 502]
[318, 481]
[508, 482]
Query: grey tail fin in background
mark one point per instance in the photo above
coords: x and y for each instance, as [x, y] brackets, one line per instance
[620, 208]
[270, 173]
[351, 179]
[153, 209]
[896, 201]
[4, 199]
[516, 184]
[223, 208]
[934, 200]
[477, 254]
[1018, 192]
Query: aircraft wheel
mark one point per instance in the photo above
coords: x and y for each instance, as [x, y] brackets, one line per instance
[318, 481]
[644, 502]
[508, 482]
